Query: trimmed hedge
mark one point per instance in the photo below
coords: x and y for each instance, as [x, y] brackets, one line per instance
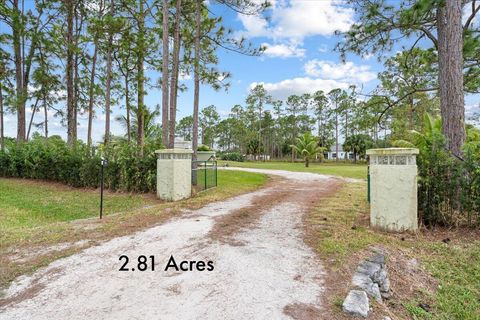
[52, 159]
[232, 156]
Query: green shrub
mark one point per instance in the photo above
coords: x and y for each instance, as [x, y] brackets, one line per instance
[448, 187]
[232, 156]
[204, 148]
[52, 159]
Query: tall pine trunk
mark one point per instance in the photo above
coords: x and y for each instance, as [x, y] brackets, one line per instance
[69, 75]
[76, 77]
[174, 81]
[450, 76]
[336, 133]
[196, 93]
[127, 105]
[346, 132]
[165, 74]
[141, 79]
[109, 80]
[90, 95]
[108, 89]
[45, 114]
[2, 130]
[20, 106]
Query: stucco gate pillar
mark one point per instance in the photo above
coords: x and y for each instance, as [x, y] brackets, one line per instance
[393, 188]
[174, 174]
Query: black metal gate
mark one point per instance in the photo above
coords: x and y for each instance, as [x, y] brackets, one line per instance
[204, 175]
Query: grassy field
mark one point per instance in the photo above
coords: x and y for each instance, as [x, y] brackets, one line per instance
[35, 215]
[347, 170]
[444, 285]
[27, 204]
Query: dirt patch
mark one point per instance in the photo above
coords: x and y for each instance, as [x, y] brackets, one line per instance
[301, 311]
[35, 286]
[303, 194]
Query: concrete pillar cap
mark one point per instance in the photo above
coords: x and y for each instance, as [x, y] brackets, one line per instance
[168, 151]
[392, 151]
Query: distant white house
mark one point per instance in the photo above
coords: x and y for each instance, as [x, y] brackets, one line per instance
[332, 153]
[182, 144]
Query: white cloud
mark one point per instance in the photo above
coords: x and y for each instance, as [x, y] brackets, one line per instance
[283, 50]
[255, 26]
[342, 71]
[184, 76]
[299, 19]
[281, 90]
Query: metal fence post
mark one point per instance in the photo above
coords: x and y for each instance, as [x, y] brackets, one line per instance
[205, 173]
[368, 184]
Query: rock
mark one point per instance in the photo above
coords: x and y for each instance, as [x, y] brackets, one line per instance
[369, 268]
[366, 283]
[356, 303]
[378, 258]
[382, 279]
[387, 318]
[372, 277]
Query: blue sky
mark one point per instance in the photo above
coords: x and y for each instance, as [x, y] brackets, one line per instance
[299, 36]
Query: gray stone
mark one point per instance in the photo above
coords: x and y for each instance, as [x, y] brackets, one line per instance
[356, 303]
[378, 258]
[387, 318]
[382, 279]
[362, 280]
[369, 268]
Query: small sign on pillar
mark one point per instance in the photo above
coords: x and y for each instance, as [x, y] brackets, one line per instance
[393, 189]
[174, 174]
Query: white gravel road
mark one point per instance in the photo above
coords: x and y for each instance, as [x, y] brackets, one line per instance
[269, 274]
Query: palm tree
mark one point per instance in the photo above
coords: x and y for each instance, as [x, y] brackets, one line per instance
[307, 147]
[428, 138]
[150, 128]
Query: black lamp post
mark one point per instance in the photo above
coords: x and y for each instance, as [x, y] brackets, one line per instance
[103, 163]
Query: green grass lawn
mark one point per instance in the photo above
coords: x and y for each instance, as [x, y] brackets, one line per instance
[29, 205]
[26, 205]
[348, 170]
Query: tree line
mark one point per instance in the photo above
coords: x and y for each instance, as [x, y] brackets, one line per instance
[339, 117]
[75, 57]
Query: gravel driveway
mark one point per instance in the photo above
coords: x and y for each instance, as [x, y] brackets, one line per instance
[262, 269]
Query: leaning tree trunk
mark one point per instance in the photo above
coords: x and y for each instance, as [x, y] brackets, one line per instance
[69, 74]
[165, 74]
[450, 75]
[174, 81]
[34, 110]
